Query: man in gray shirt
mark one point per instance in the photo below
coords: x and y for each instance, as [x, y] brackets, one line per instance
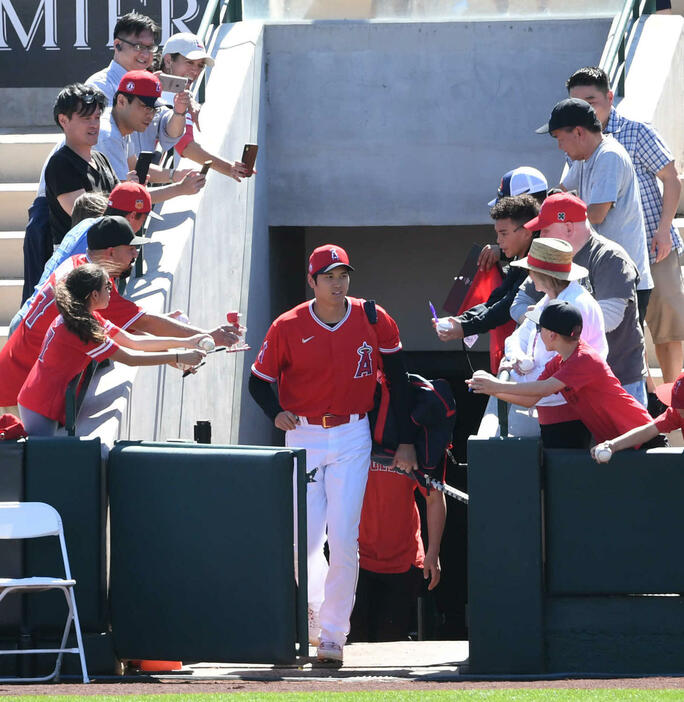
[603, 175]
[612, 281]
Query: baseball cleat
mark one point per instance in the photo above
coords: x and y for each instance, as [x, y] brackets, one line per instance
[314, 628]
[329, 652]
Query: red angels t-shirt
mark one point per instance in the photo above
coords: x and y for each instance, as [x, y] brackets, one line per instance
[669, 420]
[22, 348]
[64, 356]
[603, 405]
[389, 533]
[321, 369]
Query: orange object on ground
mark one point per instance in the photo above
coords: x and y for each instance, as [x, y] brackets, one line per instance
[160, 666]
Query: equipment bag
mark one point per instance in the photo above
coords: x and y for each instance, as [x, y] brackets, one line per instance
[433, 412]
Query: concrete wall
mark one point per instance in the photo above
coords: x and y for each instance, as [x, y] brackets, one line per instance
[384, 124]
[209, 256]
[654, 87]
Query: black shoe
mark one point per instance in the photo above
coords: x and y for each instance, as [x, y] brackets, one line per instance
[655, 407]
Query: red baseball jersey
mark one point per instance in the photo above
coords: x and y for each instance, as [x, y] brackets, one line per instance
[322, 369]
[63, 356]
[22, 348]
[389, 532]
[592, 389]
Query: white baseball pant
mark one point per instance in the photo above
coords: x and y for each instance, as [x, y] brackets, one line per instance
[334, 499]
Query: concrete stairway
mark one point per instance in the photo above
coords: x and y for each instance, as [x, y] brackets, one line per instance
[22, 154]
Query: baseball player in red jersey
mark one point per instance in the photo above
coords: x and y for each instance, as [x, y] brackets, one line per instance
[111, 244]
[324, 355]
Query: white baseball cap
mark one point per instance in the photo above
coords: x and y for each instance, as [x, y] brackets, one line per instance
[519, 181]
[188, 45]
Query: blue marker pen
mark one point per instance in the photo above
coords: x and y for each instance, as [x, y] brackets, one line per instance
[432, 309]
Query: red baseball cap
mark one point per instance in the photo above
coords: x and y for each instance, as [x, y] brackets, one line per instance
[562, 207]
[672, 394]
[327, 257]
[130, 197]
[144, 85]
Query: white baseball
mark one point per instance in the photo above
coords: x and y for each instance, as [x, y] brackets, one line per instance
[603, 454]
[526, 364]
[444, 325]
[207, 344]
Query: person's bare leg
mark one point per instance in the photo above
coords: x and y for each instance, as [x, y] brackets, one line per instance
[670, 357]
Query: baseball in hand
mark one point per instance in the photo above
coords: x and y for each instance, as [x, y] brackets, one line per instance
[603, 454]
[444, 325]
[207, 344]
[526, 364]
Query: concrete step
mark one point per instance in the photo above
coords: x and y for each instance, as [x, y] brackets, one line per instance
[22, 155]
[10, 299]
[15, 199]
[11, 254]
[679, 222]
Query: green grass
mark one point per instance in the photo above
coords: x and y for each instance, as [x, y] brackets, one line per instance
[527, 695]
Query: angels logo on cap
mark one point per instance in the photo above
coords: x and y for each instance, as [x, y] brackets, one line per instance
[130, 85]
[333, 255]
[561, 216]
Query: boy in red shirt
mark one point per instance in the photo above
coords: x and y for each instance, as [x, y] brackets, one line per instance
[577, 372]
[671, 394]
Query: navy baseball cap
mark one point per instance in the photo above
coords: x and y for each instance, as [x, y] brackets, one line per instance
[571, 112]
[112, 231]
[559, 316]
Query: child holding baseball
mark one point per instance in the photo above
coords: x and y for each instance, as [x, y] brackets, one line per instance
[79, 335]
[671, 394]
[585, 380]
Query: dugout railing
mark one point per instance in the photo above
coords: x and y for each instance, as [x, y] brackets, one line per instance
[574, 567]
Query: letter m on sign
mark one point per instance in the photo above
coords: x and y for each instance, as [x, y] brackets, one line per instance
[46, 9]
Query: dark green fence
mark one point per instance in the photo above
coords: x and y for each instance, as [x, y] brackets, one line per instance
[574, 567]
[202, 565]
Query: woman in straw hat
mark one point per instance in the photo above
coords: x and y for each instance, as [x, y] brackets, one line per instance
[553, 273]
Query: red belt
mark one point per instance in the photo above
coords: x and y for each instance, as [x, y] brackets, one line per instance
[327, 421]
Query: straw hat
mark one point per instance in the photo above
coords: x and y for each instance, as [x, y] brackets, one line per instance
[552, 257]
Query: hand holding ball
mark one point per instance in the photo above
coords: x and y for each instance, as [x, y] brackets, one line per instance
[526, 364]
[444, 325]
[603, 454]
[207, 344]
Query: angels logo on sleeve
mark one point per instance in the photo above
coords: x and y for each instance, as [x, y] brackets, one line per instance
[365, 365]
[262, 351]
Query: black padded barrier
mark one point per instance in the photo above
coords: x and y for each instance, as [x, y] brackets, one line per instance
[11, 552]
[202, 563]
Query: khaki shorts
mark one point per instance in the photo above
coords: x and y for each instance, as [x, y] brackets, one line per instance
[665, 314]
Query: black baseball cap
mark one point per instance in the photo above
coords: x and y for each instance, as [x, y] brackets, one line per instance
[112, 231]
[559, 316]
[571, 112]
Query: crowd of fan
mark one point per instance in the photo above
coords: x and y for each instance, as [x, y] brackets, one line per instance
[81, 237]
[585, 266]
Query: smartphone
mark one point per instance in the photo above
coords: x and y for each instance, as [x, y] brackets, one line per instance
[206, 167]
[172, 84]
[143, 165]
[249, 154]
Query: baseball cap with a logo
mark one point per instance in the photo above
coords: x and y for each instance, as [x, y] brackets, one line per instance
[187, 45]
[571, 112]
[130, 197]
[559, 316]
[144, 85]
[562, 207]
[519, 181]
[327, 257]
[112, 231]
[672, 394]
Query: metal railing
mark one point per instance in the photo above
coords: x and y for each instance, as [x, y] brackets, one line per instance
[614, 53]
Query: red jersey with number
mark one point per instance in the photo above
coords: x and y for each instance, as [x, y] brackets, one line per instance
[389, 533]
[591, 388]
[322, 369]
[63, 356]
[22, 348]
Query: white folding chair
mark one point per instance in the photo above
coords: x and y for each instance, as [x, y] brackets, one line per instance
[30, 520]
